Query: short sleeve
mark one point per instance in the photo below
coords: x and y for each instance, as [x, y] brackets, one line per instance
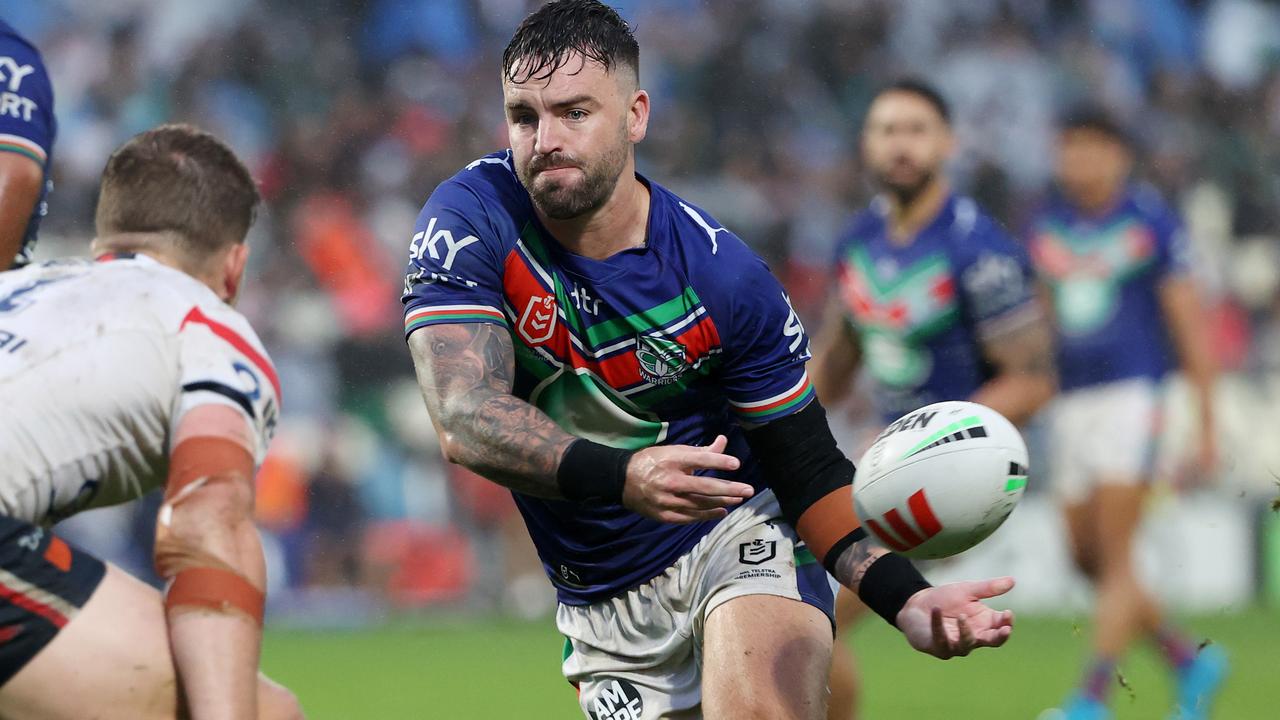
[223, 363]
[998, 281]
[1173, 247]
[765, 347]
[454, 273]
[27, 123]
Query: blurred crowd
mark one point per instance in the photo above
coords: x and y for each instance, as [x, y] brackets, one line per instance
[350, 112]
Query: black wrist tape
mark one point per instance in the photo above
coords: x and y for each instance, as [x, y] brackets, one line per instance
[593, 473]
[889, 583]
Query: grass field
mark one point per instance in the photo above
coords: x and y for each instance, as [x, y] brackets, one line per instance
[473, 669]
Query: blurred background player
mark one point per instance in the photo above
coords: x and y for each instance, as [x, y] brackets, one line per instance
[1117, 262]
[119, 376]
[934, 299]
[27, 129]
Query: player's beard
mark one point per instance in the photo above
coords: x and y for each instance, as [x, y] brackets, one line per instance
[561, 201]
[906, 191]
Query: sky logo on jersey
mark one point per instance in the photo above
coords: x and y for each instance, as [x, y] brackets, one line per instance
[429, 241]
[662, 361]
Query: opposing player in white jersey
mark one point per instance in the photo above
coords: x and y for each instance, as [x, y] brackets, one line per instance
[120, 375]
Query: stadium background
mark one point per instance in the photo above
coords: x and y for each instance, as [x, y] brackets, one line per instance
[401, 589]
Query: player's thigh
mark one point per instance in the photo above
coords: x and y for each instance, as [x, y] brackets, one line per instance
[1117, 504]
[1078, 518]
[112, 660]
[765, 656]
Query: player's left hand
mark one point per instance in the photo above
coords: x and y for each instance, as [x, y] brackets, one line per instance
[949, 620]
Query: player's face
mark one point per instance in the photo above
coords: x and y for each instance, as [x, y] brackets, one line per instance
[572, 134]
[905, 142]
[1092, 166]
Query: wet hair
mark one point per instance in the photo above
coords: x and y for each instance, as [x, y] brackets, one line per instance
[1097, 119]
[552, 34]
[921, 89]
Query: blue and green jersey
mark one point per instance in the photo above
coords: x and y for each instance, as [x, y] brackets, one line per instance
[676, 342]
[920, 309]
[1104, 273]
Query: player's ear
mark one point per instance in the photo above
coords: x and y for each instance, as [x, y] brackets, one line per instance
[234, 262]
[948, 142]
[638, 116]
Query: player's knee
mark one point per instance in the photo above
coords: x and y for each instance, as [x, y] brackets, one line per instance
[1086, 560]
[276, 702]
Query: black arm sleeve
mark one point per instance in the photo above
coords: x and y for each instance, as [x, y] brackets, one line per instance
[800, 460]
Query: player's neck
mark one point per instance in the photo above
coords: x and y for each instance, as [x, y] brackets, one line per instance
[151, 245]
[908, 219]
[1099, 203]
[622, 222]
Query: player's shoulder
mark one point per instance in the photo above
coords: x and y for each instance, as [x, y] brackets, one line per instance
[1151, 205]
[482, 207]
[485, 191]
[15, 45]
[974, 232]
[866, 224]
[711, 255]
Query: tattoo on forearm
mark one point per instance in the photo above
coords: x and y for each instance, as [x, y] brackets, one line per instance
[854, 562]
[465, 372]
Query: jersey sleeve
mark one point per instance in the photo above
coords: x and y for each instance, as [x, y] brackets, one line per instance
[998, 281]
[1173, 246]
[26, 102]
[764, 344]
[222, 363]
[455, 263]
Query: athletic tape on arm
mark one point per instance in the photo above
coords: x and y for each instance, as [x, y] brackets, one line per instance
[200, 579]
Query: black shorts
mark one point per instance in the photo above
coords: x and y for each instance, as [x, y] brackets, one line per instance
[43, 583]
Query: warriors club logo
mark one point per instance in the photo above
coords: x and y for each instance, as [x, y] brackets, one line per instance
[662, 361]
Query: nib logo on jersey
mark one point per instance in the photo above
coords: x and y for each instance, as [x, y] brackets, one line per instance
[617, 699]
[662, 361]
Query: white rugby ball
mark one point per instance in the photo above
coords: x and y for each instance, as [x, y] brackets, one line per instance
[941, 479]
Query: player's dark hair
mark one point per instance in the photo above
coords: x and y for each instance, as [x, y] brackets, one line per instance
[921, 89]
[1095, 118]
[553, 33]
[179, 180]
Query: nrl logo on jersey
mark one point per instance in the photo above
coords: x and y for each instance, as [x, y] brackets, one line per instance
[662, 361]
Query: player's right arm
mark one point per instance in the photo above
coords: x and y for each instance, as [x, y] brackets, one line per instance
[207, 546]
[836, 356]
[466, 374]
[26, 134]
[21, 180]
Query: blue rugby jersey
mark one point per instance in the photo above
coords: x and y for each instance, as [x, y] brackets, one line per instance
[919, 310]
[1105, 273]
[27, 125]
[675, 342]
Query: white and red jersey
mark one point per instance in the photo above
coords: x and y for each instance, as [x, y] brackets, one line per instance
[99, 362]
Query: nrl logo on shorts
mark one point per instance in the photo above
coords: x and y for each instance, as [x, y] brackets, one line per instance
[757, 552]
[662, 361]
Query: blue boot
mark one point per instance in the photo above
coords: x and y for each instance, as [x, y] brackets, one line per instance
[1199, 683]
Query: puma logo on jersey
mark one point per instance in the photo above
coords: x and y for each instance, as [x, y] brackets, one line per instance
[702, 223]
